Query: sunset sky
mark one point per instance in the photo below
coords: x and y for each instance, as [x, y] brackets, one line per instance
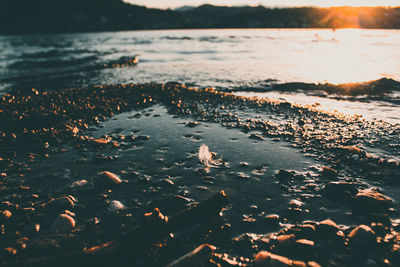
[273, 3]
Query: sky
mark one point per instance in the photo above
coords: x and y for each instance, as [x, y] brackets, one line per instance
[269, 3]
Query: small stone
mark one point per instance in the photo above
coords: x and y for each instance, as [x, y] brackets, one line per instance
[285, 240]
[362, 236]
[63, 224]
[256, 137]
[100, 141]
[6, 214]
[313, 264]
[284, 176]
[166, 182]
[171, 204]
[304, 245]
[267, 259]
[60, 204]
[272, 218]
[296, 203]
[142, 138]
[327, 227]
[115, 205]
[8, 251]
[328, 172]
[109, 178]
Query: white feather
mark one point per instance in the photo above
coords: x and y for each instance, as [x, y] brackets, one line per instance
[204, 154]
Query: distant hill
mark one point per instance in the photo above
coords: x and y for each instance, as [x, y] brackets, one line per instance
[184, 8]
[48, 16]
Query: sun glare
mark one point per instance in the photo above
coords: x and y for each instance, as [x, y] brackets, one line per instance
[354, 3]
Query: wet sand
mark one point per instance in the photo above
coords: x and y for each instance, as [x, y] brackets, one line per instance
[285, 168]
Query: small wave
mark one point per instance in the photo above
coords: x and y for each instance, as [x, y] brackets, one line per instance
[122, 62]
[52, 63]
[376, 88]
[176, 38]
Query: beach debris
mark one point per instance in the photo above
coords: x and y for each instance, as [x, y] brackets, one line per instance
[63, 224]
[194, 258]
[207, 158]
[204, 155]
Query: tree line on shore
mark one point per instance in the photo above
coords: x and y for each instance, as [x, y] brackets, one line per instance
[52, 16]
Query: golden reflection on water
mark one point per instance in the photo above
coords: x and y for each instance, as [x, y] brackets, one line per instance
[348, 56]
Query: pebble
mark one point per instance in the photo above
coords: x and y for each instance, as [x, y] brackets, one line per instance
[109, 178]
[60, 204]
[115, 206]
[6, 214]
[63, 224]
[166, 182]
[267, 259]
[328, 172]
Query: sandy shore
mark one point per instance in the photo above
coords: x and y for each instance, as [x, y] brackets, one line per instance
[86, 166]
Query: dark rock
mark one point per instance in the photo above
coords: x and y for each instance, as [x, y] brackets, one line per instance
[63, 224]
[256, 137]
[327, 227]
[328, 172]
[340, 190]
[170, 205]
[362, 236]
[304, 246]
[284, 176]
[303, 231]
[60, 204]
[369, 201]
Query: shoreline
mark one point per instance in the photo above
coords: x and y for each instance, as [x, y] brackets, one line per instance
[98, 128]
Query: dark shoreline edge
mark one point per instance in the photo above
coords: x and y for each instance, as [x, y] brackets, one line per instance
[375, 89]
[79, 16]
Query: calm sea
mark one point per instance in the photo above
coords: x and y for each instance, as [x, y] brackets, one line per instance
[224, 59]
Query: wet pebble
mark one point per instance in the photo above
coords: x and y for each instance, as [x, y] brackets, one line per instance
[267, 259]
[108, 178]
[63, 224]
[115, 206]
